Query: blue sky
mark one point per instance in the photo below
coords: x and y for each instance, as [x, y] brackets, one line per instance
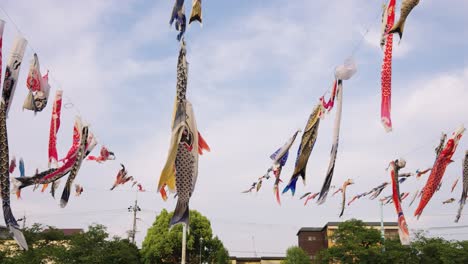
[257, 68]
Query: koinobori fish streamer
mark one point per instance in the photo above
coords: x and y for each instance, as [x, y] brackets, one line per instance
[386, 78]
[196, 14]
[181, 169]
[343, 72]
[343, 202]
[303, 153]
[280, 157]
[38, 87]
[328, 106]
[406, 7]
[12, 71]
[403, 232]
[104, 155]
[464, 193]
[9, 84]
[21, 167]
[54, 127]
[443, 160]
[54, 174]
[76, 166]
[178, 15]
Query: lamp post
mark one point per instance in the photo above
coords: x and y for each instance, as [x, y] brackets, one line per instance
[201, 241]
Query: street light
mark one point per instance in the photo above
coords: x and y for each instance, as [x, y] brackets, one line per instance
[201, 241]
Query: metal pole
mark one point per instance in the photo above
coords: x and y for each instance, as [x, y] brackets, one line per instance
[184, 241]
[382, 230]
[24, 220]
[134, 222]
[201, 241]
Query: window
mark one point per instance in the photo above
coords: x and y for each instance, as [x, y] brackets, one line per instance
[311, 238]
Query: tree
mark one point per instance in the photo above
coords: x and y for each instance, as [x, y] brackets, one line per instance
[354, 243]
[163, 245]
[92, 246]
[296, 255]
[438, 250]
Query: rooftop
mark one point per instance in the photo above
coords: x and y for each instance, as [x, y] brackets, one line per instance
[69, 231]
[319, 229]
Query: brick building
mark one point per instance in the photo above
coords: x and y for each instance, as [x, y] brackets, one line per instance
[314, 239]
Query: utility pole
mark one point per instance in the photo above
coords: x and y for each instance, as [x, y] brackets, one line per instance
[253, 243]
[382, 230]
[23, 220]
[134, 209]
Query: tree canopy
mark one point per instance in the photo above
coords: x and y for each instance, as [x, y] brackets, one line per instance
[354, 243]
[52, 246]
[163, 245]
[296, 255]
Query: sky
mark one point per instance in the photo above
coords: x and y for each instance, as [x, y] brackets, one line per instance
[257, 70]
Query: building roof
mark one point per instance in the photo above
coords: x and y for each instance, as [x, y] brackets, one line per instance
[69, 231]
[256, 258]
[320, 229]
[365, 223]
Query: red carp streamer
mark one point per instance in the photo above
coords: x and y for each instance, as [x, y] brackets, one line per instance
[444, 158]
[386, 79]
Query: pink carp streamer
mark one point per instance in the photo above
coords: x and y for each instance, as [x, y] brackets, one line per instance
[104, 155]
[386, 78]
[403, 232]
[54, 127]
[444, 158]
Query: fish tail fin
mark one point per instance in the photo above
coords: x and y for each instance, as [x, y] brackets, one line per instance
[291, 185]
[398, 28]
[202, 145]
[421, 206]
[18, 236]
[277, 195]
[403, 230]
[44, 187]
[18, 184]
[181, 214]
[163, 194]
[460, 209]
[54, 187]
[52, 161]
[65, 195]
[195, 18]
[14, 228]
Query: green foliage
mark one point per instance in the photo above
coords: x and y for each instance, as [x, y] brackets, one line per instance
[163, 245]
[295, 255]
[354, 243]
[52, 246]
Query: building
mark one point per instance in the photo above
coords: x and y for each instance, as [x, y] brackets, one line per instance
[67, 231]
[256, 260]
[314, 239]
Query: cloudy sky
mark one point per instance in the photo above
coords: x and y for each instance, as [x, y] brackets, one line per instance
[257, 69]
